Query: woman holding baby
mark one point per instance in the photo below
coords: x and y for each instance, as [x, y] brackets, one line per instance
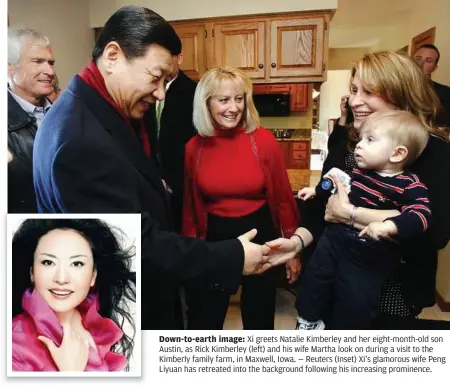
[381, 82]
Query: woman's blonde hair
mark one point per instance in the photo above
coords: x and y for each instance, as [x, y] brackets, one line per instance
[209, 84]
[397, 79]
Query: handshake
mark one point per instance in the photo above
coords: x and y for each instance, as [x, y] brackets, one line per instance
[260, 258]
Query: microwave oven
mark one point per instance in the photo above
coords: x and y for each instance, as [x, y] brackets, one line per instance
[275, 105]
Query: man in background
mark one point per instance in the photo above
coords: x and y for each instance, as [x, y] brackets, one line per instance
[30, 77]
[170, 127]
[427, 56]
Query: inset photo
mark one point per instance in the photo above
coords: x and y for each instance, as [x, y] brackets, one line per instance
[73, 295]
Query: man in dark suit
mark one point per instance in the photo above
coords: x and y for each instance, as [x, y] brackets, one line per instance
[92, 155]
[427, 56]
[170, 127]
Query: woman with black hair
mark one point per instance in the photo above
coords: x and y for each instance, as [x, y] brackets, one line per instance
[72, 286]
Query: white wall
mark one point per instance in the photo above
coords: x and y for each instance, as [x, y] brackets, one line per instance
[424, 15]
[66, 23]
[100, 10]
[434, 13]
[337, 84]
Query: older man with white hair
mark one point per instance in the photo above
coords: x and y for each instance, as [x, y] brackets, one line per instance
[30, 81]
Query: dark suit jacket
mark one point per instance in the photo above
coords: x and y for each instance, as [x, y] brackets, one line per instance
[175, 131]
[87, 160]
[443, 93]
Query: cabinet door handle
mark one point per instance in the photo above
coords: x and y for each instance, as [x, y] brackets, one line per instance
[260, 65]
[273, 65]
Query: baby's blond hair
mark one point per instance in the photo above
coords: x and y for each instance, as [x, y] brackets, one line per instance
[403, 127]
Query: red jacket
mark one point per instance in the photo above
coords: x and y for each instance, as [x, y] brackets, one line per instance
[30, 354]
[280, 197]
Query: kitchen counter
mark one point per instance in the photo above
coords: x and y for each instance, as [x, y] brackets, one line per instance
[296, 148]
[297, 156]
[297, 134]
[294, 139]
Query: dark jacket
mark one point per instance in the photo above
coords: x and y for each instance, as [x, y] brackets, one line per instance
[443, 92]
[175, 131]
[87, 160]
[21, 132]
[420, 254]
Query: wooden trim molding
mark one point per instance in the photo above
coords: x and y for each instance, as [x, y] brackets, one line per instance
[442, 304]
[259, 16]
[426, 37]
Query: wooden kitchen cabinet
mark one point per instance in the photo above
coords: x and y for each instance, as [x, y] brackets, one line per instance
[299, 145]
[299, 97]
[299, 160]
[297, 47]
[241, 45]
[271, 89]
[280, 88]
[297, 155]
[285, 149]
[274, 48]
[193, 40]
[261, 88]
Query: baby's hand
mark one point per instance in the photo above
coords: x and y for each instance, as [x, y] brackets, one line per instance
[306, 193]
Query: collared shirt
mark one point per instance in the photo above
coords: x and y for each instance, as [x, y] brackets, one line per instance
[32, 110]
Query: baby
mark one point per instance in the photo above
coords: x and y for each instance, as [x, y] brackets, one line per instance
[346, 269]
